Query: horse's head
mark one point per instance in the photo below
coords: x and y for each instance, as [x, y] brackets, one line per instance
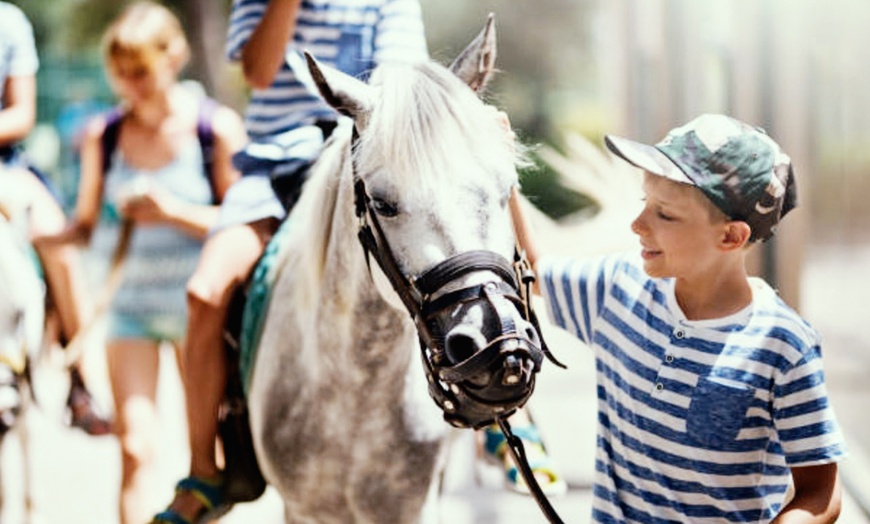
[21, 316]
[433, 169]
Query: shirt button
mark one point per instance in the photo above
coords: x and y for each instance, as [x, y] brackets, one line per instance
[679, 333]
[669, 358]
[659, 386]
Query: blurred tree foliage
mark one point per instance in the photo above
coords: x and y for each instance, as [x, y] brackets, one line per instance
[542, 54]
[73, 28]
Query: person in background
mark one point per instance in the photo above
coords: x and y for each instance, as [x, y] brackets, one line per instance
[712, 397]
[288, 123]
[25, 191]
[157, 174]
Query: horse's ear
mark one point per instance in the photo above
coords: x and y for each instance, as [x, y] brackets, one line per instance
[348, 95]
[476, 63]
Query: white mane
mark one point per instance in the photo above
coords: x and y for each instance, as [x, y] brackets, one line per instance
[427, 127]
[312, 219]
[424, 131]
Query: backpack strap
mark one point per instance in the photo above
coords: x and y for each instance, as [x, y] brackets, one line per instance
[109, 139]
[205, 134]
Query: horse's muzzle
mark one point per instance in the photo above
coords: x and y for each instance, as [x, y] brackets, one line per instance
[490, 356]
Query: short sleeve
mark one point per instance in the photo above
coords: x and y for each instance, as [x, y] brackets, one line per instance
[400, 36]
[807, 428]
[244, 18]
[573, 291]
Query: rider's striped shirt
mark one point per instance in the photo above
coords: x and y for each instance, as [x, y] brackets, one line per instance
[698, 421]
[352, 35]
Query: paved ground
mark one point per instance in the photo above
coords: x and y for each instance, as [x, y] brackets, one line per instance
[76, 477]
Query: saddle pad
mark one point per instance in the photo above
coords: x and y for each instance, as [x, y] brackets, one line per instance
[257, 303]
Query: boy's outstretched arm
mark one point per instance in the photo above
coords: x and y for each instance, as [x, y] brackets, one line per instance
[817, 496]
[523, 230]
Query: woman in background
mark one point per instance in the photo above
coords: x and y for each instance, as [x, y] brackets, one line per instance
[156, 173]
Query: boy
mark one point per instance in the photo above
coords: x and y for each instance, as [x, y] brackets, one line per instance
[711, 391]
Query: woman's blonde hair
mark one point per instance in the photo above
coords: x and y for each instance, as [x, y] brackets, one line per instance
[142, 33]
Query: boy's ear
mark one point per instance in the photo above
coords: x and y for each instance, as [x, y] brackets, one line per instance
[736, 234]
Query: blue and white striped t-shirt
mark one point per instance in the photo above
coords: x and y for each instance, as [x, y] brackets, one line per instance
[698, 421]
[352, 35]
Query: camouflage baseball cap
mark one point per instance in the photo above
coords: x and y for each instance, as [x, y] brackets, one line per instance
[737, 166]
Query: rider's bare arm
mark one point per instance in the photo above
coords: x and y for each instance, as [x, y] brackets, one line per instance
[261, 58]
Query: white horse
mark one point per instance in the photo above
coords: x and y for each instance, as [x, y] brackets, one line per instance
[342, 423]
[22, 302]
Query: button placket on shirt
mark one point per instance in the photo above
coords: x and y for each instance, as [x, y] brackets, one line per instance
[677, 334]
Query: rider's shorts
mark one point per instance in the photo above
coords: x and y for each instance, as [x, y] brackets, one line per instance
[249, 199]
[273, 171]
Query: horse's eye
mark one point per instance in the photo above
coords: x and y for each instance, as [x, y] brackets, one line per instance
[384, 208]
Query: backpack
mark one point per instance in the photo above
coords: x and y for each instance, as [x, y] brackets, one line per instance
[204, 132]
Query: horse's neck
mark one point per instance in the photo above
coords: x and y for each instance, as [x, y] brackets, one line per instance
[347, 267]
[325, 284]
[336, 269]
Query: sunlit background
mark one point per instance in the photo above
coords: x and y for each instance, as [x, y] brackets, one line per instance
[798, 68]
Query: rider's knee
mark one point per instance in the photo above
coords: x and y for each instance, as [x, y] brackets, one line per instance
[207, 293]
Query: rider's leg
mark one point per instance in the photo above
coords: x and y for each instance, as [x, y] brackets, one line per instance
[133, 366]
[66, 283]
[225, 262]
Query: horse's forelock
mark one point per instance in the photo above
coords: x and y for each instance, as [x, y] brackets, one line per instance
[427, 125]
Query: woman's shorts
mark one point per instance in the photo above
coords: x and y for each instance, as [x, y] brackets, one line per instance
[158, 328]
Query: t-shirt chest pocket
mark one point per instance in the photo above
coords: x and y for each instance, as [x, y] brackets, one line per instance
[717, 411]
[355, 48]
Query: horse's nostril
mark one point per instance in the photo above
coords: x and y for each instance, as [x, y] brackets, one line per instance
[532, 334]
[460, 347]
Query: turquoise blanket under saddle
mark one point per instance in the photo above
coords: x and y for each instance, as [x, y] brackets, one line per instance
[257, 304]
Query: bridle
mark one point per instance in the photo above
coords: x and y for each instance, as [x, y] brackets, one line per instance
[512, 358]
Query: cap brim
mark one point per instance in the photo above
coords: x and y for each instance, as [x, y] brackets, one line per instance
[646, 157]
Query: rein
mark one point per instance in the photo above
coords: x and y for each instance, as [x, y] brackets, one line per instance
[74, 348]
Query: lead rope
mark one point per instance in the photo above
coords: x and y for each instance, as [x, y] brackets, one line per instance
[74, 348]
[518, 452]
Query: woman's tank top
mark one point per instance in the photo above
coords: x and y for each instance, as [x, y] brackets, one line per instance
[160, 258]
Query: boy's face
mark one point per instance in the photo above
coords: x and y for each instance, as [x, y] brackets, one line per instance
[679, 229]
